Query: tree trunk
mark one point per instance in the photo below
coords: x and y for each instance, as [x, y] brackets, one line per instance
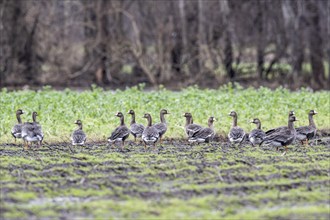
[315, 43]
[260, 40]
[293, 25]
[228, 49]
[201, 35]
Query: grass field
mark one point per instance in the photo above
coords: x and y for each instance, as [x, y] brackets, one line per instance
[174, 181]
[58, 110]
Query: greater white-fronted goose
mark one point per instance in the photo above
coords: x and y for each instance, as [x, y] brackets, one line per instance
[78, 137]
[236, 134]
[205, 134]
[283, 137]
[150, 134]
[190, 127]
[162, 126]
[257, 135]
[136, 129]
[121, 133]
[32, 132]
[306, 133]
[16, 131]
[291, 113]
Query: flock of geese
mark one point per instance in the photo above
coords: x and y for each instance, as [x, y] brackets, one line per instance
[152, 133]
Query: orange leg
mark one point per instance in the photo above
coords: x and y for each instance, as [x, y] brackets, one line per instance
[26, 145]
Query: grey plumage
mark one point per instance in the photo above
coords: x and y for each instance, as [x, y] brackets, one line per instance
[278, 129]
[121, 133]
[162, 126]
[257, 135]
[136, 129]
[284, 137]
[16, 131]
[236, 134]
[204, 134]
[32, 131]
[190, 127]
[150, 134]
[78, 137]
[305, 133]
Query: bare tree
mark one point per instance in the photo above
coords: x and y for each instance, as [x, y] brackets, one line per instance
[315, 43]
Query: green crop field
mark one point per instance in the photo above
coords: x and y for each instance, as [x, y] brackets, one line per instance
[174, 181]
[58, 110]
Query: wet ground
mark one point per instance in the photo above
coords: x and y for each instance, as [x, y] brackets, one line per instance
[175, 180]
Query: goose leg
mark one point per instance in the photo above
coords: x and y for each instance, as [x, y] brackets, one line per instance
[307, 142]
[122, 145]
[26, 145]
[286, 150]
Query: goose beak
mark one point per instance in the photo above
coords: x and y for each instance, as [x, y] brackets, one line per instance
[315, 112]
[251, 121]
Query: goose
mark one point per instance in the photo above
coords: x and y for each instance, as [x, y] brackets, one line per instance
[78, 137]
[236, 134]
[190, 127]
[136, 129]
[32, 132]
[282, 137]
[205, 134]
[121, 133]
[150, 134]
[291, 113]
[162, 126]
[257, 135]
[16, 131]
[306, 133]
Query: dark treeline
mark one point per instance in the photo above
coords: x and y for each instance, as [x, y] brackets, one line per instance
[179, 42]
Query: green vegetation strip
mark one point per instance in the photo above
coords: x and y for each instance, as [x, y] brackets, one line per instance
[58, 110]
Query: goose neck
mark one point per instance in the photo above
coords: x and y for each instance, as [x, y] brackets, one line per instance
[311, 121]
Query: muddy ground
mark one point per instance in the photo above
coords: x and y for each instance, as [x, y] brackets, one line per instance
[175, 180]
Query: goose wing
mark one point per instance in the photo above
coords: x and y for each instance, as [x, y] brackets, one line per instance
[256, 136]
[16, 131]
[275, 130]
[161, 127]
[192, 129]
[137, 129]
[282, 137]
[305, 132]
[203, 135]
[150, 134]
[78, 137]
[119, 133]
[236, 134]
